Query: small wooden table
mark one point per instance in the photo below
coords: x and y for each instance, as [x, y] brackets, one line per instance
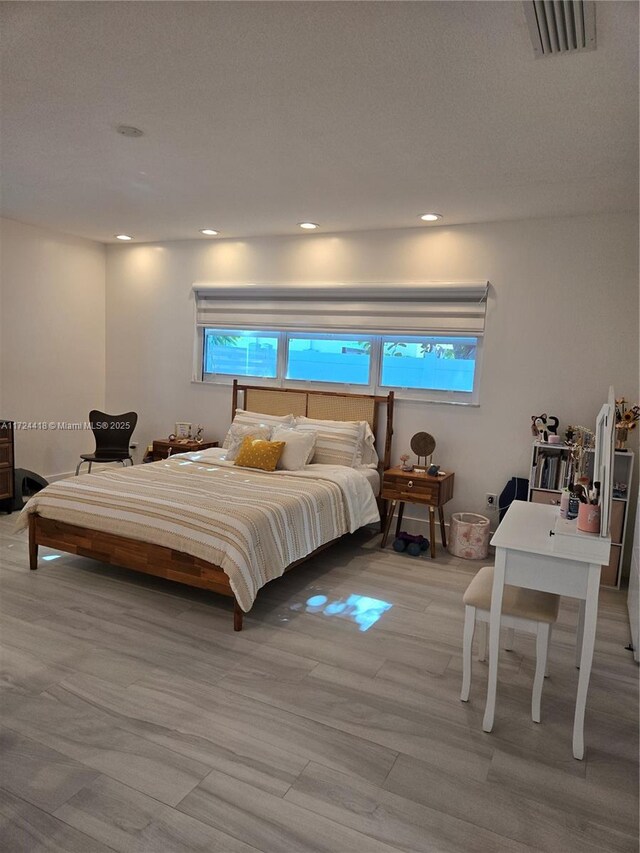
[161, 447]
[417, 487]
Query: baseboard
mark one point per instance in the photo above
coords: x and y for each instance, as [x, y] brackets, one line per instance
[95, 468]
[414, 525]
[52, 478]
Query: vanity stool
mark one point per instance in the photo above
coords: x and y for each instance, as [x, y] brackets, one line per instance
[523, 609]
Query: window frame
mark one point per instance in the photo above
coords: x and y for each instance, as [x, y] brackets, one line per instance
[435, 395]
[227, 378]
[363, 388]
[374, 386]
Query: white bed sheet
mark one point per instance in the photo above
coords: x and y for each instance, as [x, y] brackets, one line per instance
[373, 477]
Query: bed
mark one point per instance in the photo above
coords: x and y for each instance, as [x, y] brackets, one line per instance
[198, 519]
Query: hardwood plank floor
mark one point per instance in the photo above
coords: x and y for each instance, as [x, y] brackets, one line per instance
[27, 829]
[134, 719]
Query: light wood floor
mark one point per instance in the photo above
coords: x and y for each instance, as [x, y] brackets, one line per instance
[134, 719]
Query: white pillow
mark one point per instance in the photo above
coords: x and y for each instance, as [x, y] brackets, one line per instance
[237, 434]
[338, 442]
[298, 447]
[246, 418]
[369, 456]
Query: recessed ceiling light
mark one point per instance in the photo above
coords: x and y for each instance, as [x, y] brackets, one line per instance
[123, 237]
[208, 231]
[308, 225]
[431, 217]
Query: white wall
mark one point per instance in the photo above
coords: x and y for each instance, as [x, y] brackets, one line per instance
[562, 325]
[52, 340]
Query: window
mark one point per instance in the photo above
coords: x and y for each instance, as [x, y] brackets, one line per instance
[324, 358]
[431, 367]
[240, 353]
[422, 338]
[430, 363]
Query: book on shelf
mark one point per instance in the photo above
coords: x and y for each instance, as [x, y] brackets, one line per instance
[537, 471]
[550, 471]
[555, 475]
[543, 466]
[544, 473]
[562, 477]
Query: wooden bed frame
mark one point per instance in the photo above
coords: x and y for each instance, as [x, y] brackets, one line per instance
[175, 565]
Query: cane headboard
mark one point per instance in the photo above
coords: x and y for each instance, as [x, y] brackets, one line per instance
[324, 405]
[273, 401]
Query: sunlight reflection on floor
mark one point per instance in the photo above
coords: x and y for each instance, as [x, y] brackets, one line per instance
[361, 609]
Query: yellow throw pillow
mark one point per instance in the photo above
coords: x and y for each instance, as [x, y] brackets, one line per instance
[259, 453]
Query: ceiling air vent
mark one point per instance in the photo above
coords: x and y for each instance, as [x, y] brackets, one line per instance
[561, 26]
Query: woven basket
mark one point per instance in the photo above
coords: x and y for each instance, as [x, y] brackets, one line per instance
[469, 536]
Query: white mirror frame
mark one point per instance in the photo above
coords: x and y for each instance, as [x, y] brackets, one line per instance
[604, 459]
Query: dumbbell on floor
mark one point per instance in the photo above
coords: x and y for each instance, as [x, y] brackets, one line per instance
[412, 544]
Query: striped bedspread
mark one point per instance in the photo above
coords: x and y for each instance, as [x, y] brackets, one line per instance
[252, 524]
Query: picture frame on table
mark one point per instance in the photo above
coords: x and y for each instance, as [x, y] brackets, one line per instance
[183, 429]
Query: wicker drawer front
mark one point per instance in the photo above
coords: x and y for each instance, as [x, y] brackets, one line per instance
[6, 454]
[539, 496]
[617, 521]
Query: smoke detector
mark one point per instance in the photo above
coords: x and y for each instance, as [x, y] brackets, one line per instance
[128, 130]
[561, 26]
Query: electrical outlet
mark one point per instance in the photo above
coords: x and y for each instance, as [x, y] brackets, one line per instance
[491, 500]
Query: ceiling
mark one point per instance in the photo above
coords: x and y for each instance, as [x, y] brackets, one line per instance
[260, 115]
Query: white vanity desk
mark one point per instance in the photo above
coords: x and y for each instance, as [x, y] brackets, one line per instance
[531, 554]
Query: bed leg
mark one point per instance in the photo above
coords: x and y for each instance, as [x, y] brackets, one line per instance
[237, 616]
[33, 545]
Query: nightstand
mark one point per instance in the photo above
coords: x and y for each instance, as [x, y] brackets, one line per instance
[417, 487]
[161, 447]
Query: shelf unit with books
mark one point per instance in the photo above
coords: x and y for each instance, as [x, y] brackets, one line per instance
[551, 472]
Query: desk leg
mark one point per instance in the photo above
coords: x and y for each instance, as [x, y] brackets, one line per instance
[494, 637]
[580, 632]
[399, 522]
[586, 657]
[391, 510]
[443, 530]
[432, 531]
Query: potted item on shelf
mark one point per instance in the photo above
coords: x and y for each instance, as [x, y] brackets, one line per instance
[404, 463]
[626, 420]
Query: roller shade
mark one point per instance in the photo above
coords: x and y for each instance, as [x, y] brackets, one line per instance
[375, 309]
